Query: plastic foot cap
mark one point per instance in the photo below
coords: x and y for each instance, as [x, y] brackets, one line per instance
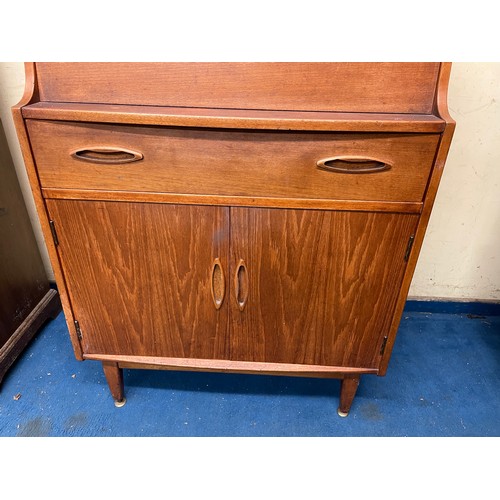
[120, 403]
[342, 413]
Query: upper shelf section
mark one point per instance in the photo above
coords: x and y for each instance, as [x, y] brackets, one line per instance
[343, 97]
[401, 88]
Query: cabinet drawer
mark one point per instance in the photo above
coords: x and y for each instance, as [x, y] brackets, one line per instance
[390, 166]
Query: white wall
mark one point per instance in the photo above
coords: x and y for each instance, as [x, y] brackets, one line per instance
[460, 258]
[11, 91]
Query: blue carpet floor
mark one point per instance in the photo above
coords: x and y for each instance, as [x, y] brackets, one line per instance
[443, 380]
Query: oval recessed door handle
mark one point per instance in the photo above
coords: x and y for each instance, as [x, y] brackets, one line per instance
[352, 165]
[218, 285]
[241, 284]
[107, 155]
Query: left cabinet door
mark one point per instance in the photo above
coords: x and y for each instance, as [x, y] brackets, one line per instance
[146, 279]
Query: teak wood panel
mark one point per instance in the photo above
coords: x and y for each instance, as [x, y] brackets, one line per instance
[139, 276]
[214, 365]
[234, 118]
[441, 109]
[243, 201]
[30, 94]
[321, 285]
[351, 87]
[232, 162]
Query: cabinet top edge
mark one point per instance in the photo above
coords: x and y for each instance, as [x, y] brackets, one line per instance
[317, 121]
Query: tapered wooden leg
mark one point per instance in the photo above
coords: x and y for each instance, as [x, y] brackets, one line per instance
[347, 392]
[114, 376]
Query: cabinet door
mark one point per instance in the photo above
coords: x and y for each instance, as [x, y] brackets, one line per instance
[314, 287]
[140, 276]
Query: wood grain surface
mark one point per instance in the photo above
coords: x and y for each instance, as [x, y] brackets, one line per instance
[30, 95]
[441, 109]
[406, 207]
[348, 390]
[114, 377]
[234, 118]
[139, 276]
[322, 285]
[233, 163]
[222, 365]
[365, 87]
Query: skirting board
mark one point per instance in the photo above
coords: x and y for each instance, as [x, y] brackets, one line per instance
[473, 307]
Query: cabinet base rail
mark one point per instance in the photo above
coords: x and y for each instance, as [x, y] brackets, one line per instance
[113, 370]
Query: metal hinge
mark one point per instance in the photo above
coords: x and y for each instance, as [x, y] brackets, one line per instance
[78, 330]
[53, 231]
[382, 347]
[408, 248]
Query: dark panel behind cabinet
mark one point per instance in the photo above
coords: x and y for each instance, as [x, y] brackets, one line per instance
[24, 287]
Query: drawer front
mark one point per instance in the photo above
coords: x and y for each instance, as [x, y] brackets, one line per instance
[390, 167]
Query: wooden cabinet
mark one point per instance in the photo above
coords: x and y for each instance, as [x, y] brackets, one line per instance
[26, 299]
[235, 216]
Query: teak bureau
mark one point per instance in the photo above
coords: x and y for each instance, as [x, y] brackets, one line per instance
[245, 217]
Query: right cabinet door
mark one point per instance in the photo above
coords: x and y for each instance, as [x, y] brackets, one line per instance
[314, 286]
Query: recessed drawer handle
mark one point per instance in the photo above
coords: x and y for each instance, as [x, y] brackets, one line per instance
[218, 287]
[352, 165]
[241, 284]
[107, 155]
